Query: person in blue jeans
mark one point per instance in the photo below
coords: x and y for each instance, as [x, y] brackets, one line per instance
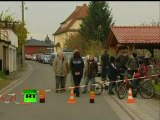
[112, 74]
[91, 69]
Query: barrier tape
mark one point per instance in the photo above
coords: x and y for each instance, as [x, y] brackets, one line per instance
[145, 77]
[13, 95]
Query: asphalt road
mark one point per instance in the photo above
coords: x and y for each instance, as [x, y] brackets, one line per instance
[56, 106]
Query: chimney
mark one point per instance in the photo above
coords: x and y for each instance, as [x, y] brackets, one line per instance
[77, 7]
[84, 4]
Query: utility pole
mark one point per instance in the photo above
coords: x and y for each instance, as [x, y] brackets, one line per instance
[99, 36]
[23, 57]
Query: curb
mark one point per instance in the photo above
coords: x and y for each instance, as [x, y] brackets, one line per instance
[13, 85]
[129, 112]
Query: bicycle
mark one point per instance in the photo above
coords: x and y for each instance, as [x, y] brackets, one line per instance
[145, 88]
[99, 87]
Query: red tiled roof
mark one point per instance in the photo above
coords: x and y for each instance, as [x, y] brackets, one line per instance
[79, 13]
[136, 34]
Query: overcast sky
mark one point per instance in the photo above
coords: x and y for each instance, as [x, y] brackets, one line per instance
[44, 18]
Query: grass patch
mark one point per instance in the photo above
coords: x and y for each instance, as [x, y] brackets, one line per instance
[3, 75]
[4, 83]
[157, 87]
[3, 79]
[7, 79]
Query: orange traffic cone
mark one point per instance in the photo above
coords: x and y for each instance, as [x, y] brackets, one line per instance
[130, 97]
[42, 96]
[92, 96]
[72, 99]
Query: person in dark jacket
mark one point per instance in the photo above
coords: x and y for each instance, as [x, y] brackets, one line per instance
[147, 59]
[132, 64]
[104, 63]
[76, 66]
[91, 69]
[112, 74]
[121, 63]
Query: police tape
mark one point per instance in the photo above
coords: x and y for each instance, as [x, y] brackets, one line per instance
[12, 98]
[116, 81]
[13, 95]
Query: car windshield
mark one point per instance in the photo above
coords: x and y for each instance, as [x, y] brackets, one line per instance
[47, 56]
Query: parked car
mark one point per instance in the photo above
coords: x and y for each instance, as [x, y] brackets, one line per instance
[28, 57]
[46, 59]
[68, 56]
[34, 57]
[52, 57]
[41, 57]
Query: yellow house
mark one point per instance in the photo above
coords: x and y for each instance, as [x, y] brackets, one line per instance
[70, 26]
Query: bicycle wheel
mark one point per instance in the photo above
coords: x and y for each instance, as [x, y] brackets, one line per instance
[146, 90]
[98, 89]
[116, 88]
[122, 90]
[106, 87]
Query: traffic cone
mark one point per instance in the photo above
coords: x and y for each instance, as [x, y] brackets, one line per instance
[72, 99]
[130, 97]
[92, 96]
[42, 96]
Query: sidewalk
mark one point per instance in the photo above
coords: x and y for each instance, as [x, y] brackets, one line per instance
[142, 109]
[16, 78]
[19, 73]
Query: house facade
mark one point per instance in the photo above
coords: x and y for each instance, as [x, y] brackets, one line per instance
[70, 26]
[34, 46]
[8, 52]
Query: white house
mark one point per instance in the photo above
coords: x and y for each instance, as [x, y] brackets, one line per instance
[8, 45]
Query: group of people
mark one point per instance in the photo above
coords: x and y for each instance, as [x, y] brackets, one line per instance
[111, 68]
[76, 68]
[124, 66]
